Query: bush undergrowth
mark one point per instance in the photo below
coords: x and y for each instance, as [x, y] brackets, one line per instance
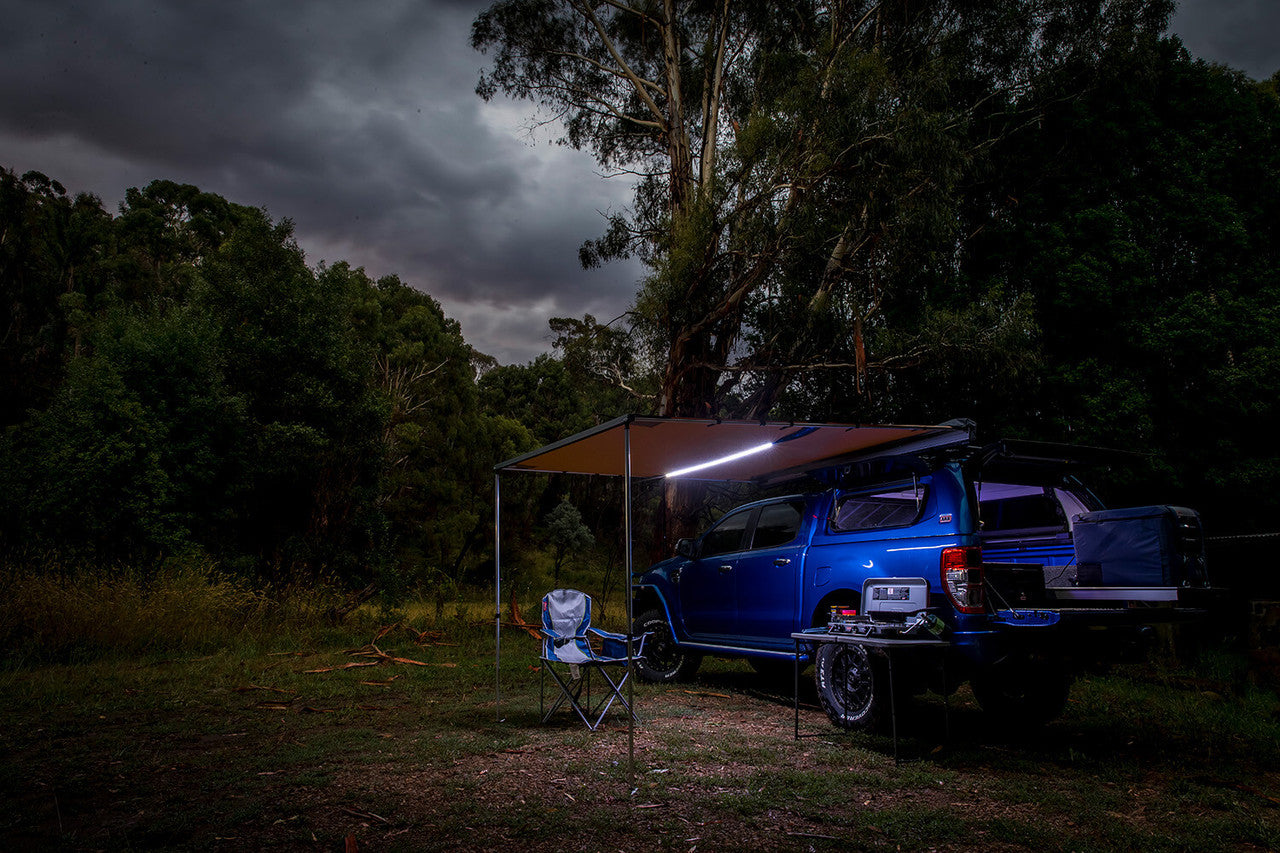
[50, 612]
[55, 614]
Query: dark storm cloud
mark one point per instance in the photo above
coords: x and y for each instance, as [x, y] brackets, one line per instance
[1243, 34]
[149, 81]
[357, 121]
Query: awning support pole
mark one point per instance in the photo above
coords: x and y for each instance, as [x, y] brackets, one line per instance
[626, 591]
[497, 596]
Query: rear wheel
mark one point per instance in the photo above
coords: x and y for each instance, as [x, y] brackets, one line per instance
[1025, 694]
[663, 659]
[851, 688]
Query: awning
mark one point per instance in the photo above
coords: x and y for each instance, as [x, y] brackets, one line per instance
[726, 451]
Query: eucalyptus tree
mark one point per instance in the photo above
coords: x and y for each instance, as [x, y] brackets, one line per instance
[799, 168]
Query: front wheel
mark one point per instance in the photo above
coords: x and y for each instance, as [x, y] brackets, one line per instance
[852, 690]
[663, 660]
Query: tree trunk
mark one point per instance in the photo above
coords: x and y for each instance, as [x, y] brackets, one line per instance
[684, 394]
[678, 150]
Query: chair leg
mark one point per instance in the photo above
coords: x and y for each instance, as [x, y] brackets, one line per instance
[571, 693]
[615, 693]
[578, 695]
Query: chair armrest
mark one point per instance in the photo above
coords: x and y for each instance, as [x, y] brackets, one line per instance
[615, 645]
[607, 635]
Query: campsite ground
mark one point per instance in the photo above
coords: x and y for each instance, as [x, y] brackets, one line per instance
[397, 745]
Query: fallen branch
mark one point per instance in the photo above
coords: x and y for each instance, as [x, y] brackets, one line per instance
[518, 621]
[351, 665]
[427, 637]
[364, 815]
[372, 651]
[1256, 793]
[272, 706]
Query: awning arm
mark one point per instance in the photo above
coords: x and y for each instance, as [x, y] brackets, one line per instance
[957, 433]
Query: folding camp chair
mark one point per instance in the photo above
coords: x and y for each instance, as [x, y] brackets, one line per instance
[568, 656]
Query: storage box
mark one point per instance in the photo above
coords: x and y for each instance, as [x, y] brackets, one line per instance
[1140, 546]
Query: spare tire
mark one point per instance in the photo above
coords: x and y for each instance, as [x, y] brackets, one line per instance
[852, 689]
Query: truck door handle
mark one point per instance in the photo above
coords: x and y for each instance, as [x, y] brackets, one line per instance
[726, 569]
[782, 561]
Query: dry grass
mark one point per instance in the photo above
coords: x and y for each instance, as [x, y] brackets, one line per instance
[253, 729]
[54, 614]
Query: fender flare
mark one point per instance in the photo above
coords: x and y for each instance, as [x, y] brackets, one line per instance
[643, 591]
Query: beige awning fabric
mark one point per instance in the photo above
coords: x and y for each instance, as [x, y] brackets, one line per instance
[774, 451]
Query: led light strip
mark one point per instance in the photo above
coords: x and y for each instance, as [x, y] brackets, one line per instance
[750, 451]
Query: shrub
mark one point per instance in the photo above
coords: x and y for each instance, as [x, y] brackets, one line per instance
[52, 613]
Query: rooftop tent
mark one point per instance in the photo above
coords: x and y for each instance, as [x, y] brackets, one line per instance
[763, 452]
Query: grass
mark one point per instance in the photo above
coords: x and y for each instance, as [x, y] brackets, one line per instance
[254, 736]
[51, 613]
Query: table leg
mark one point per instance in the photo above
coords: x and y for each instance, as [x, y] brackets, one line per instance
[795, 694]
[893, 706]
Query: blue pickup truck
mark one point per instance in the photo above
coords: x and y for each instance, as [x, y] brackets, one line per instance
[1028, 576]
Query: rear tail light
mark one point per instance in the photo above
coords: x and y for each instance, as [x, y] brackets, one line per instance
[961, 571]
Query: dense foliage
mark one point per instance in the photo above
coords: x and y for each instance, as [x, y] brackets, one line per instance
[1147, 238]
[1134, 230]
[802, 170]
[177, 381]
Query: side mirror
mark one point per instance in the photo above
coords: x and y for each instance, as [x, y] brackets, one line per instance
[687, 548]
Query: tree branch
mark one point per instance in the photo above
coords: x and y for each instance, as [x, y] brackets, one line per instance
[631, 75]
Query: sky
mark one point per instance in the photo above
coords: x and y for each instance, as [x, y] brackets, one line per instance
[359, 122]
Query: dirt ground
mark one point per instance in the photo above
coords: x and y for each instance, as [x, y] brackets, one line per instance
[372, 765]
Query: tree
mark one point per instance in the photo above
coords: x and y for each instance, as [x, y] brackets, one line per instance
[799, 174]
[1145, 236]
[209, 391]
[439, 445]
[566, 533]
[52, 270]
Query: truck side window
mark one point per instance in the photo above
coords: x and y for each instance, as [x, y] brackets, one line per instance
[778, 524]
[726, 536]
[891, 508]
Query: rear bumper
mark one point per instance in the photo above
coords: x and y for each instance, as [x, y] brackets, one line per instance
[1133, 597]
[1086, 630]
